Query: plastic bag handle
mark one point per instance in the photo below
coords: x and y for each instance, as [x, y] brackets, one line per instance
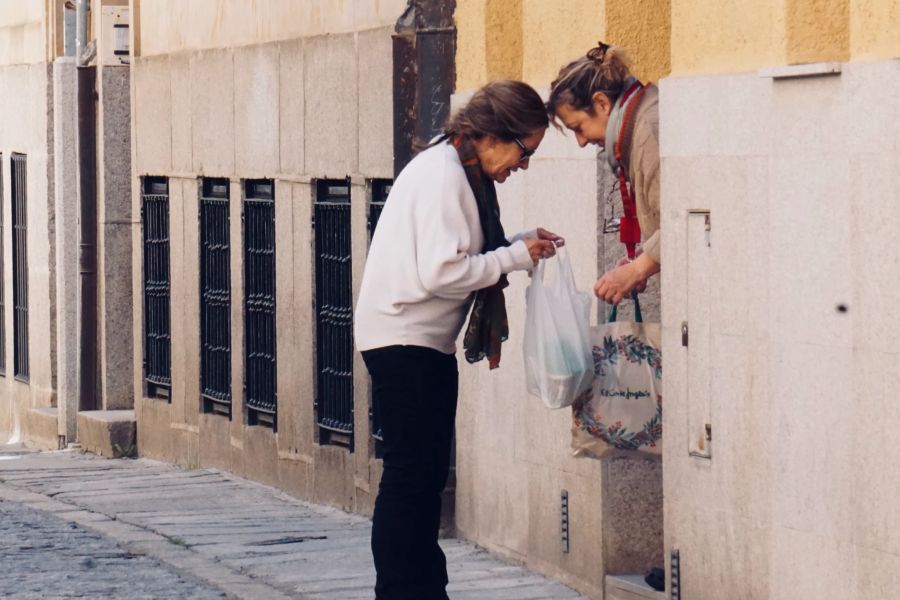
[614, 313]
[565, 276]
[565, 268]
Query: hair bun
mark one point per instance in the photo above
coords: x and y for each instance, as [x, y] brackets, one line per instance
[598, 54]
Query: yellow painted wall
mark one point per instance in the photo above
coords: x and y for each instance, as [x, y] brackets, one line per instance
[503, 36]
[817, 31]
[556, 33]
[710, 36]
[874, 29]
[168, 26]
[471, 67]
[522, 39]
[22, 32]
[644, 28]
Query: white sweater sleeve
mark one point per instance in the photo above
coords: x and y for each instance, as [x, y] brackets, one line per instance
[444, 214]
[528, 234]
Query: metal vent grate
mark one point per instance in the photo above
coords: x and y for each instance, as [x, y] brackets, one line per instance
[334, 313]
[215, 297]
[157, 324]
[2, 283]
[20, 265]
[259, 303]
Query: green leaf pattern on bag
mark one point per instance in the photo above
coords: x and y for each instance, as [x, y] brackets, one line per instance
[634, 350]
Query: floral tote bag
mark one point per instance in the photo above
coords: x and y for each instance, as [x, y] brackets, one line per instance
[623, 408]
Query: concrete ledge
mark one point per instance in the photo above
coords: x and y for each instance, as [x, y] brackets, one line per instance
[109, 433]
[804, 70]
[41, 428]
[630, 587]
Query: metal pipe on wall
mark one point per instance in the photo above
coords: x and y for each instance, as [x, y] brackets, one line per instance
[86, 147]
[424, 67]
[81, 29]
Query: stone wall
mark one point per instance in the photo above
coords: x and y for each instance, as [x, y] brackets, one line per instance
[26, 127]
[293, 111]
[792, 307]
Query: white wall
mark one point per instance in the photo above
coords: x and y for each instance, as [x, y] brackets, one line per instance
[802, 180]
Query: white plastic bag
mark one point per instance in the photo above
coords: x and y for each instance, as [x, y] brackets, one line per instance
[557, 345]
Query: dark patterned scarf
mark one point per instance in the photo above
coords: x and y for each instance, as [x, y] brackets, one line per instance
[488, 326]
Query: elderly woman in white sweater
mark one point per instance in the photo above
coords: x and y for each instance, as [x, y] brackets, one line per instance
[439, 249]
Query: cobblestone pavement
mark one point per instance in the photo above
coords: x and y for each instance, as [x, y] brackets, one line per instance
[220, 532]
[45, 557]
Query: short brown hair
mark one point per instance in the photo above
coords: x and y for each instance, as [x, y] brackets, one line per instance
[603, 69]
[502, 109]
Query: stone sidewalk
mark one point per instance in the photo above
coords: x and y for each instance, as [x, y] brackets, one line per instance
[245, 539]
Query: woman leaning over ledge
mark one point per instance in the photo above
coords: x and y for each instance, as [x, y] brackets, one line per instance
[439, 248]
[598, 99]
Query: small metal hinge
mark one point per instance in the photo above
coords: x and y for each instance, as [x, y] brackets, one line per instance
[684, 333]
[564, 520]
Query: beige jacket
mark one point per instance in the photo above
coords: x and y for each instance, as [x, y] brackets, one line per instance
[643, 170]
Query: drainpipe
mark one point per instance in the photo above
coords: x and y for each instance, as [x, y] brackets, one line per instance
[424, 74]
[86, 134]
[81, 21]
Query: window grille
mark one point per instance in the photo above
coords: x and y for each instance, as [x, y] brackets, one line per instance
[380, 188]
[334, 313]
[157, 323]
[259, 303]
[2, 285]
[215, 297]
[20, 265]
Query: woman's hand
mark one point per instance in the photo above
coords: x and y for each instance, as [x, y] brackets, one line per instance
[620, 281]
[641, 285]
[543, 234]
[539, 249]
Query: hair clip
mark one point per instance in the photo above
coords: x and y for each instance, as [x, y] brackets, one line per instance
[598, 54]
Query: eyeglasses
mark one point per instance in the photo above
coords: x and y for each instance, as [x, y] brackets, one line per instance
[526, 151]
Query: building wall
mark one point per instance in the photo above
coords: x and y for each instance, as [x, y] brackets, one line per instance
[513, 456]
[169, 26]
[790, 301]
[296, 109]
[22, 32]
[26, 123]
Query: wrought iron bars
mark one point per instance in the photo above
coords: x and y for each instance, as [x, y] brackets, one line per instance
[380, 189]
[20, 265]
[157, 320]
[215, 297]
[2, 290]
[334, 313]
[259, 302]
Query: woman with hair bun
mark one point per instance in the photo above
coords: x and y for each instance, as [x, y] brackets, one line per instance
[439, 248]
[601, 102]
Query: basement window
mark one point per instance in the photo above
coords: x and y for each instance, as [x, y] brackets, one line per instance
[334, 312]
[215, 297]
[379, 191]
[20, 265]
[260, 397]
[2, 283]
[157, 316]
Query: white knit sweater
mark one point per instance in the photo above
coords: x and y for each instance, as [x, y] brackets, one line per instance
[425, 259]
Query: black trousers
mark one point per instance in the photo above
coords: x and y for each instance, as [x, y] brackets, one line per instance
[414, 389]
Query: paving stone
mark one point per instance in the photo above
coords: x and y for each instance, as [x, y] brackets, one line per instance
[43, 556]
[247, 539]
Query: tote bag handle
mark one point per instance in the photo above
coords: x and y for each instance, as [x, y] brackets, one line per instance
[614, 313]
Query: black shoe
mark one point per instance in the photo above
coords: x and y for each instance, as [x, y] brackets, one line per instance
[656, 578]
